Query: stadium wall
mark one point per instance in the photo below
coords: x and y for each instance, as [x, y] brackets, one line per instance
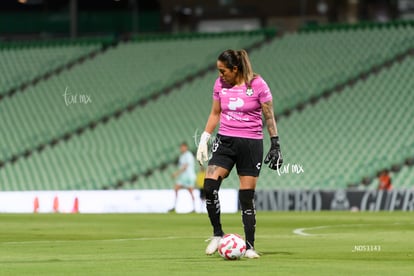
[115, 201]
[160, 201]
[318, 200]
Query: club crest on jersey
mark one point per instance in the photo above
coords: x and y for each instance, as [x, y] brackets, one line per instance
[249, 92]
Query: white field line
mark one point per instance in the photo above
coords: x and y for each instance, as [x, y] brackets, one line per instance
[301, 231]
[304, 231]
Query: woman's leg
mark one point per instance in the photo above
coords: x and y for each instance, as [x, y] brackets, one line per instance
[246, 198]
[212, 182]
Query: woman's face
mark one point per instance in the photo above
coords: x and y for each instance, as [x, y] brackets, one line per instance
[226, 74]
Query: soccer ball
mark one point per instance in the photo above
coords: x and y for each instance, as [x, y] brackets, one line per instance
[232, 247]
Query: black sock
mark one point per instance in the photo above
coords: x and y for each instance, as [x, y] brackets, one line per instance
[211, 189]
[246, 198]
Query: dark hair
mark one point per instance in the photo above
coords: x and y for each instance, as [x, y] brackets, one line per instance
[239, 59]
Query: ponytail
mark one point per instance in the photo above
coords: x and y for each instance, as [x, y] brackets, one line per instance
[247, 71]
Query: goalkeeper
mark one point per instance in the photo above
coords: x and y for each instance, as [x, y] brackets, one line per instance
[240, 97]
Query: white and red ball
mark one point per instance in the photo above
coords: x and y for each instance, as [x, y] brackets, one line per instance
[232, 247]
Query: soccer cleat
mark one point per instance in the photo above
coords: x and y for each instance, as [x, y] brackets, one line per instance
[213, 245]
[251, 254]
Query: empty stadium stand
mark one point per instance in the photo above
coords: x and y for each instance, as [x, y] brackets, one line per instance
[325, 59]
[343, 99]
[21, 63]
[122, 75]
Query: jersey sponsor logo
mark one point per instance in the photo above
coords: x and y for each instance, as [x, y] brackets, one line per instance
[224, 91]
[236, 116]
[234, 103]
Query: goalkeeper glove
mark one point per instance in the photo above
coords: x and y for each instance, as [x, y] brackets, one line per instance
[274, 156]
[202, 151]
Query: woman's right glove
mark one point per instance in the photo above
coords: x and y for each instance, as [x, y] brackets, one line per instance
[202, 150]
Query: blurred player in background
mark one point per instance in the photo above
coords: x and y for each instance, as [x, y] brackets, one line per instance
[240, 97]
[384, 180]
[185, 176]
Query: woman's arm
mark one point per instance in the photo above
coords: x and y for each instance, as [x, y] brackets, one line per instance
[267, 109]
[214, 117]
[274, 156]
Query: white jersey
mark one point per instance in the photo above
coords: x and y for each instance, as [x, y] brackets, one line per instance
[187, 158]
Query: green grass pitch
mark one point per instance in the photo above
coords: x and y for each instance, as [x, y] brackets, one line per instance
[326, 243]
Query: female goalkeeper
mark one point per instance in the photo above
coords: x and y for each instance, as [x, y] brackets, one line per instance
[240, 97]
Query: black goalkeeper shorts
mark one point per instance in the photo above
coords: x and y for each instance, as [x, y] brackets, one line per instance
[245, 153]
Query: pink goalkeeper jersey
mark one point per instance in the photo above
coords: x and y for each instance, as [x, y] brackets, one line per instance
[241, 111]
